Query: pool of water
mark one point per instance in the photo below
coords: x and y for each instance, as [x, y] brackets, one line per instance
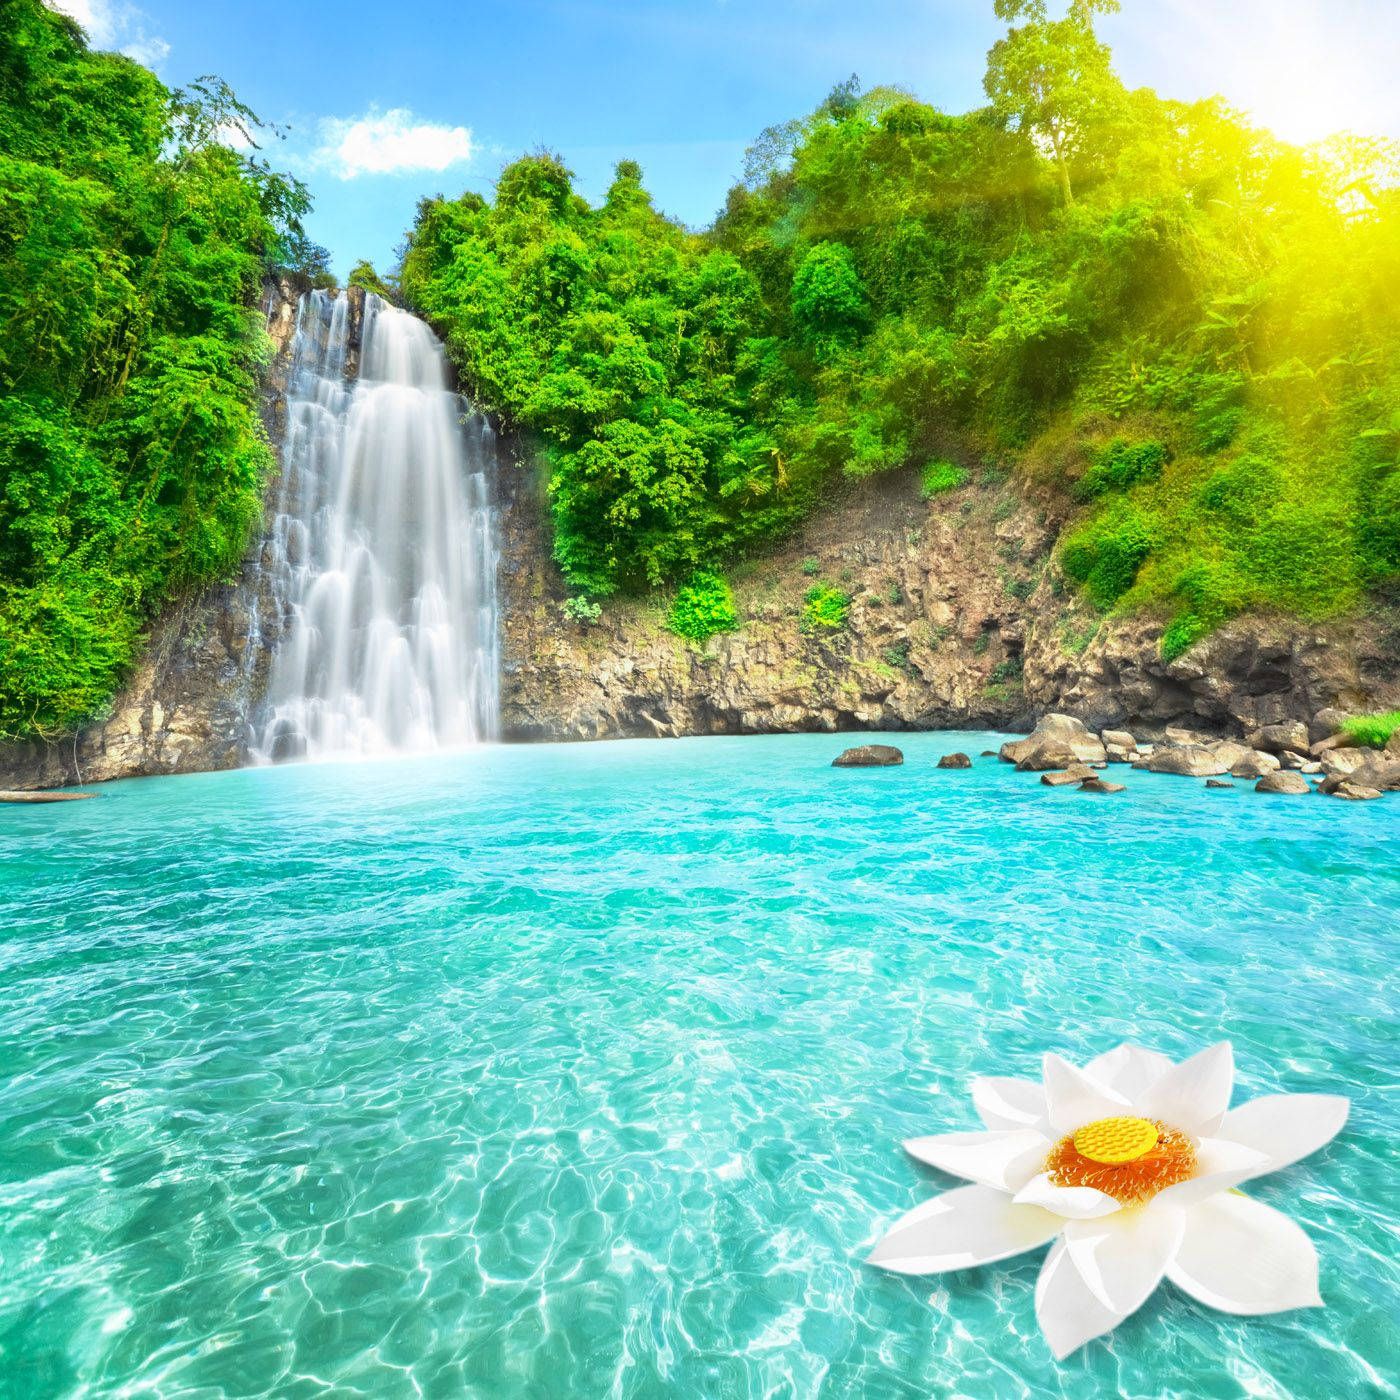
[582, 1070]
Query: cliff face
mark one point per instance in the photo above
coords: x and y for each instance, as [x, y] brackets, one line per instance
[958, 620]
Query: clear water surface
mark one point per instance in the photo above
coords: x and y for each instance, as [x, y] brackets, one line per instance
[582, 1070]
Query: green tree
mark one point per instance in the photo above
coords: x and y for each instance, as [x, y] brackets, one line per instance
[1053, 78]
[132, 243]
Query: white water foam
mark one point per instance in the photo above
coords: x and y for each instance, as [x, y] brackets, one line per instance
[382, 554]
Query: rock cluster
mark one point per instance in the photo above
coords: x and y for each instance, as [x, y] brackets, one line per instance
[1056, 742]
[1278, 758]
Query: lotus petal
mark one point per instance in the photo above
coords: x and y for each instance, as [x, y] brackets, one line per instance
[1242, 1256]
[963, 1227]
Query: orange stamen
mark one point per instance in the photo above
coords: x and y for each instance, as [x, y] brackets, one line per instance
[1163, 1160]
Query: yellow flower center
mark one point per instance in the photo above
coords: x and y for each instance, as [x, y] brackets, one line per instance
[1114, 1141]
[1130, 1159]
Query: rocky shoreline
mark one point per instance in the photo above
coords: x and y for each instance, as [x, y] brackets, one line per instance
[1278, 758]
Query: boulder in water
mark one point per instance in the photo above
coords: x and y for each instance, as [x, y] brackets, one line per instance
[869, 756]
[1379, 771]
[1101, 785]
[1254, 764]
[1186, 761]
[1055, 741]
[954, 760]
[1292, 784]
[1355, 792]
[1075, 773]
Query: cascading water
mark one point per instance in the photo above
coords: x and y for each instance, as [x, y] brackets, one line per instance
[381, 556]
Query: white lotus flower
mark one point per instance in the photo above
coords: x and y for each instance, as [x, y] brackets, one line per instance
[1129, 1166]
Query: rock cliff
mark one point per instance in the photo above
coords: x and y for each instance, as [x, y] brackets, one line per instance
[958, 619]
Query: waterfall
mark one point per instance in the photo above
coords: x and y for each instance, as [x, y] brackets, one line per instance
[381, 556]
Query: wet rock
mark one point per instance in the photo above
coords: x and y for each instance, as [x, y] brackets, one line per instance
[1379, 771]
[1101, 785]
[1187, 761]
[1294, 784]
[46, 796]
[1355, 792]
[1046, 757]
[1054, 735]
[1342, 762]
[1228, 751]
[989, 753]
[1326, 723]
[869, 756]
[1290, 737]
[954, 760]
[1254, 764]
[1075, 773]
[1218, 783]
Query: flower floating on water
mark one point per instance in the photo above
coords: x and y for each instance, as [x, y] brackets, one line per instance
[1129, 1165]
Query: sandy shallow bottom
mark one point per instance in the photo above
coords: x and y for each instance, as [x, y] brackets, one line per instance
[582, 1070]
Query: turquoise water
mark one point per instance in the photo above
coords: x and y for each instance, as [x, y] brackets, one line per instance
[582, 1070]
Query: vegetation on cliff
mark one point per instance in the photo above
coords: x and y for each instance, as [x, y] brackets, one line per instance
[132, 459]
[1184, 325]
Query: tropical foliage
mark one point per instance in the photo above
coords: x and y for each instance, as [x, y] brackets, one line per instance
[1183, 324]
[132, 241]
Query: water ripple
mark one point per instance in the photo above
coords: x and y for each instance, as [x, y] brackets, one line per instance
[582, 1070]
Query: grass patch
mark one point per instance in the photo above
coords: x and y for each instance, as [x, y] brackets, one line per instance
[824, 609]
[1372, 731]
[940, 477]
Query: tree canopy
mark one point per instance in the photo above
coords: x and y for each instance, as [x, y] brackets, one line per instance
[132, 458]
[1181, 323]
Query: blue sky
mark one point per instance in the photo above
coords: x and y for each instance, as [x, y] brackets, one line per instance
[387, 103]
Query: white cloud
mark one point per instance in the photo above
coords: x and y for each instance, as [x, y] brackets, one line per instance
[113, 24]
[93, 15]
[389, 143]
[150, 50]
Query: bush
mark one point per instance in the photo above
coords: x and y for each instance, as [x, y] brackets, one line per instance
[1209, 594]
[1008, 672]
[1106, 554]
[1373, 731]
[703, 607]
[1123, 464]
[811, 567]
[939, 477]
[1244, 491]
[827, 296]
[581, 609]
[825, 608]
